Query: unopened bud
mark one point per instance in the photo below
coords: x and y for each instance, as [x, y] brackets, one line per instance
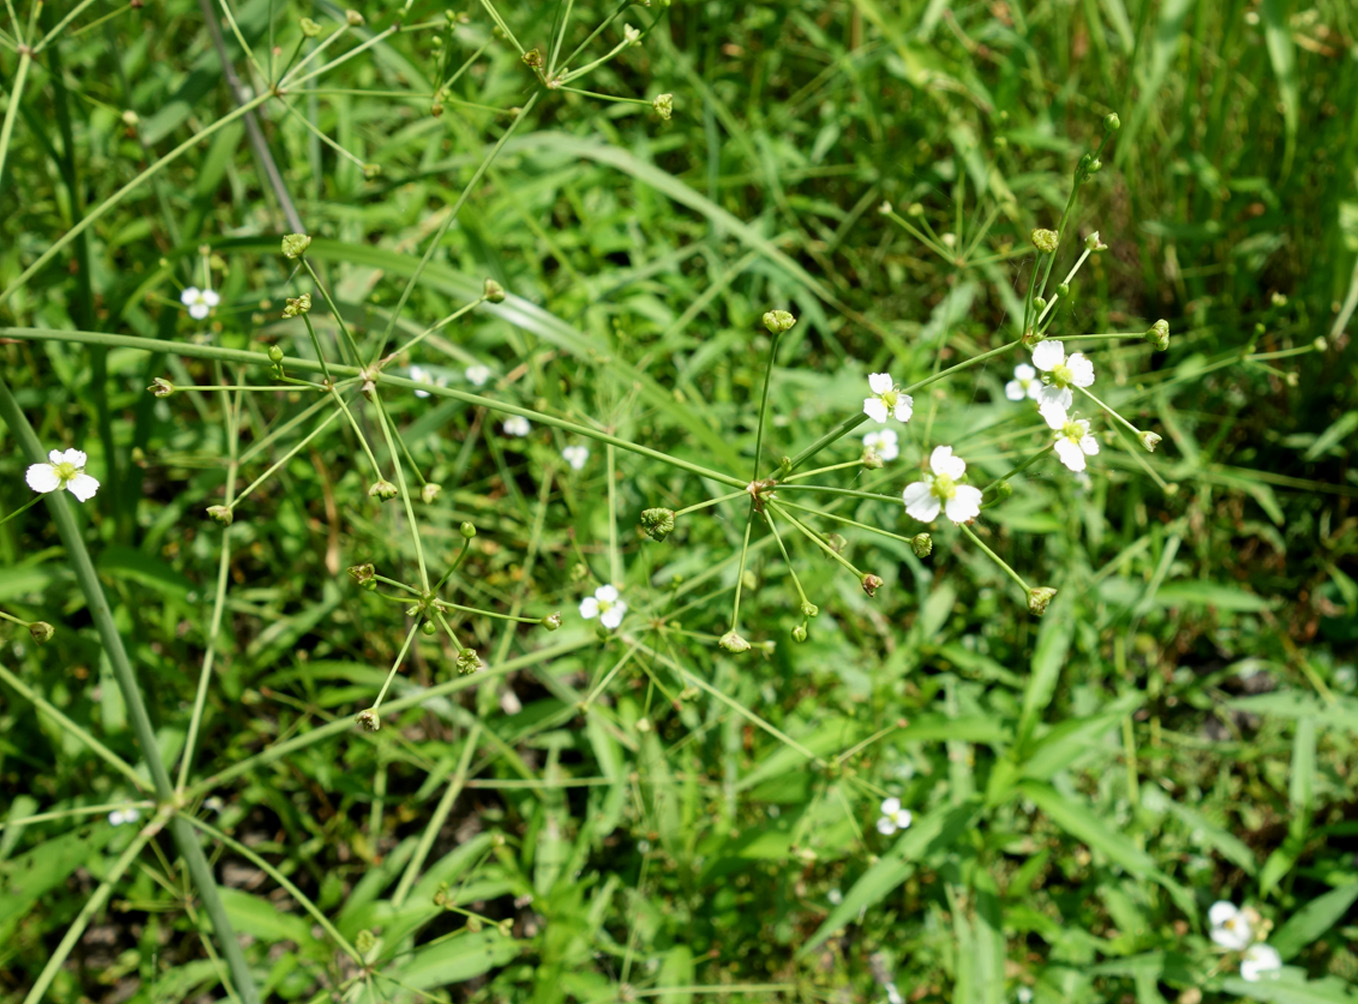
[130, 118]
[664, 106]
[643, 725]
[837, 542]
[1040, 302]
[494, 292]
[552, 621]
[297, 305]
[658, 523]
[916, 209]
[799, 633]
[220, 513]
[365, 941]
[871, 583]
[41, 632]
[369, 720]
[160, 387]
[362, 573]
[382, 490]
[1031, 337]
[533, 58]
[467, 530]
[885, 209]
[778, 321]
[275, 354]
[631, 34]
[295, 245]
[734, 643]
[1111, 122]
[1039, 598]
[429, 628]
[1158, 334]
[1092, 243]
[467, 662]
[809, 610]
[371, 171]
[1045, 240]
[871, 461]
[309, 27]
[1063, 289]
[1320, 344]
[430, 492]
[922, 544]
[1148, 440]
[353, 17]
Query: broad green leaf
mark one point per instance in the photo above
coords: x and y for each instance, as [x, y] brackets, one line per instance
[675, 971]
[1276, 16]
[1290, 987]
[1313, 920]
[262, 919]
[455, 959]
[1049, 657]
[1208, 833]
[28, 877]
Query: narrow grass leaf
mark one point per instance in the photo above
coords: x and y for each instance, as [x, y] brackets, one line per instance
[1313, 920]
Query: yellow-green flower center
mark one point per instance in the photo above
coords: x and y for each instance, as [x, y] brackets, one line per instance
[65, 471]
[1073, 431]
[943, 487]
[1062, 376]
[890, 397]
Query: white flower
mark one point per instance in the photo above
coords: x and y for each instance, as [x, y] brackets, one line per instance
[835, 897]
[1061, 373]
[120, 816]
[66, 470]
[940, 489]
[575, 456]
[1023, 995]
[883, 443]
[893, 817]
[606, 605]
[1073, 439]
[199, 301]
[887, 401]
[421, 375]
[478, 374]
[517, 425]
[1260, 960]
[1230, 926]
[1024, 384]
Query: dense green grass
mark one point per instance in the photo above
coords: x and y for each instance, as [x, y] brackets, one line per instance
[597, 815]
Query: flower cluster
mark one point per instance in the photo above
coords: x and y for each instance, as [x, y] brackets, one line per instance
[1235, 930]
[1054, 392]
[893, 817]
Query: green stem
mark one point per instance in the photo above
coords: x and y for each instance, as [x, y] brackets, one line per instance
[1021, 467]
[787, 558]
[831, 490]
[436, 821]
[23, 508]
[102, 614]
[764, 405]
[740, 570]
[384, 420]
[710, 502]
[994, 557]
[1133, 429]
[614, 558]
[16, 90]
[815, 537]
[396, 664]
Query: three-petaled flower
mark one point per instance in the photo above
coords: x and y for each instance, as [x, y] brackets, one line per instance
[893, 817]
[199, 301]
[421, 375]
[1024, 385]
[65, 470]
[883, 442]
[517, 425]
[887, 400]
[477, 375]
[940, 490]
[575, 455]
[1062, 373]
[1259, 961]
[1231, 927]
[606, 605]
[1074, 441]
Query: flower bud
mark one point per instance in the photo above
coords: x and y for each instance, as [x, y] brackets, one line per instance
[362, 573]
[1063, 289]
[353, 17]
[885, 209]
[1111, 122]
[467, 662]
[295, 245]
[371, 171]
[382, 490]
[494, 292]
[533, 58]
[430, 492]
[1031, 337]
[1092, 243]
[365, 941]
[41, 632]
[643, 725]
[297, 305]
[664, 106]
[631, 34]
[916, 209]
[922, 544]
[1094, 166]
[467, 530]
[871, 583]
[1039, 597]
[275, 354]
[552, 621]
[1040, 302]
[872, 462]
[429, 628]
[837, 542]
[1148, 440]
[657, 523]
[1320, 344]
[131, 118]
[734, 643]
[309, 27]
[809, 610]
[1045, 240]
[369, 720]
[778, 321]
[1158, 334]
[799, 633]
[160, 387]
[220, 513]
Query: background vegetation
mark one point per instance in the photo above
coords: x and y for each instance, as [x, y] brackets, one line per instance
[602, 817]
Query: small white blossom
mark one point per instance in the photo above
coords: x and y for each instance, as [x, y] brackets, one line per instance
[1061, 373]
[887, 401]
[835, 897]
[120, 816]
[477, 375]
[517, 425]
[66, 470]
[893, 817]
[1024, 385]
[1230, 926]
[1073, 439]
[421, 375]
[883, 443]
[606, 605]
[940, 490]
[1260, 960]
[575, 455]
[199, 301]
[1023, 995]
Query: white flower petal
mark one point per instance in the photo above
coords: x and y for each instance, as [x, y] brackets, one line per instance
[885, 826]
[1221, 911]
[875, 409]
[211, 298]
[1015, 391]
[880, 383]
[889, 451]
[1070, 454]
[477, 374]
[1081, 370]
[82, 486]
[920, 502]
[891, 806]
[612, 617]
[1062, 396]
[943, 462]
[76, 458]
[1088, 443]
[1048, 354]
[902, 819]
[1024, 372]
[42, 478]
[965, 505]
[905, 407]
[199, 311]
[589, 608]
[190, 296]
[606, 593]
[56, 456]
[1054, 414]
[1260, 960]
